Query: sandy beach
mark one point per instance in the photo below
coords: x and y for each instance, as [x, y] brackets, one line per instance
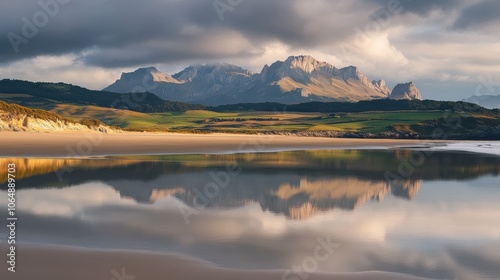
[46, 262]
[78, 144]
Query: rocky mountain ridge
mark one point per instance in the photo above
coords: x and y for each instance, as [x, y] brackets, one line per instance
[298, 79]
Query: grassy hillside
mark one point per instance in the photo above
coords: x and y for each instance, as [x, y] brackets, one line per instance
[16, 115]
[44, 95]
[15, 109]
[208, 121]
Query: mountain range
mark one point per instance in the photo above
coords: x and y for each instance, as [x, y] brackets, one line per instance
[298, 79]
[486, 101]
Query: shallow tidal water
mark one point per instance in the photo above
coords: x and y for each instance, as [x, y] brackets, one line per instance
[433, 214]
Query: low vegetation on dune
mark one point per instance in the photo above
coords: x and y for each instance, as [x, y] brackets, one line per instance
[14, 117]
[15, 109]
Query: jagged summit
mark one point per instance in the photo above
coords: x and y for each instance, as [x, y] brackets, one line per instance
[304, 69]
[306, 63]
[406, 91]
[299, 68]
[380, 84]
[150, 69]
[148, 73]
[138, 72]
[212, 72]
[295, 80]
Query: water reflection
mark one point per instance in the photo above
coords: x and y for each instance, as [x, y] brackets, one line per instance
[440, 222]
[296, 184]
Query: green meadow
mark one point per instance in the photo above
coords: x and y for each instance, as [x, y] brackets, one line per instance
[252, 122]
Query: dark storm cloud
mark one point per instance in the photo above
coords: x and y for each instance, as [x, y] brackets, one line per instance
[479, 14]
[114, 33]
[83, 25]
[422, 7]
[122, 33]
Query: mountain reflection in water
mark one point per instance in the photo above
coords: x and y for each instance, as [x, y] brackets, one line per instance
[439, 220]
[295, 184]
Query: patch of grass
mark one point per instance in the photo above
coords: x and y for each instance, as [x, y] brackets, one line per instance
[15, 109]
[34, 113]
[250, 122]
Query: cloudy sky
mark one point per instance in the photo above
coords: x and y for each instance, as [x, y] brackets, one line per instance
[450, 48]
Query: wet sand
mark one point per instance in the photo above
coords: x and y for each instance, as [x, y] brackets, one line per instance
[78, 144]
[58, 263]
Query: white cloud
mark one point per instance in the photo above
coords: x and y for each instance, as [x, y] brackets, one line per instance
[69, 202]
[61, 69]
[451, 77]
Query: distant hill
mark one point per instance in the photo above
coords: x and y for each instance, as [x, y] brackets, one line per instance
[487, 101]
[18, 118]
[361, 106]
[42, 95]
[298, 79]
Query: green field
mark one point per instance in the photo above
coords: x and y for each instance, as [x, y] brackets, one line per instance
[207, 121]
